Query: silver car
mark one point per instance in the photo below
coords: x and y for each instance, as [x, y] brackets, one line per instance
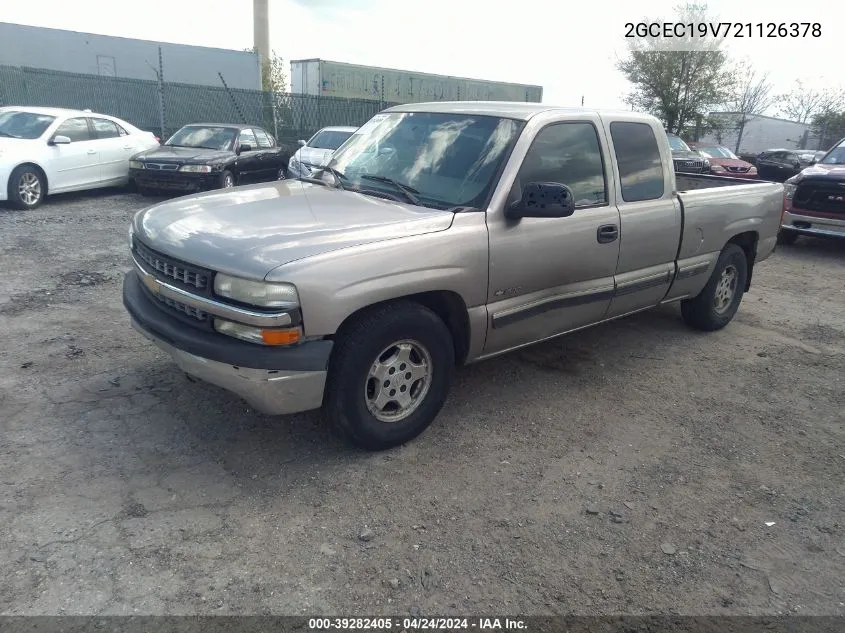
[317, 151]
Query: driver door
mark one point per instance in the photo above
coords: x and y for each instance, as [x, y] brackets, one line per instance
[248, 158]
[551, 275]
[77, 164]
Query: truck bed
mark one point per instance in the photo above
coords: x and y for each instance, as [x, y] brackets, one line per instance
[689, 182]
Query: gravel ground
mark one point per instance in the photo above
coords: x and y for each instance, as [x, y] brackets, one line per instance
[638, 467]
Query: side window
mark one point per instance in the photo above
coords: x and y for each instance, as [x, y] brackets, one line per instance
[75, 129]
[262, 138]
[122, 131]
[638, 158]
[247, 138]
[105, 128]
[569, 154]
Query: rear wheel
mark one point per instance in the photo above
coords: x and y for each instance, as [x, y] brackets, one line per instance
[716, 305]
[390, 374]
[27, 187]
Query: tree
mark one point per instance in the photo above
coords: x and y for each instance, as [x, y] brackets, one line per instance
[273, 77]
[803, 104]
[829, 126]
[678, 86]
[751, 95]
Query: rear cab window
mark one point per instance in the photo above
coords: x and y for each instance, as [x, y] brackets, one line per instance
[638, 160]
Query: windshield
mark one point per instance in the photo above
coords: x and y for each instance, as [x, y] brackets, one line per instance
[677, 144]
[836, 156]
[449, 160]
[717, 152]
[26, 125]
[329, 139]
[205, 137]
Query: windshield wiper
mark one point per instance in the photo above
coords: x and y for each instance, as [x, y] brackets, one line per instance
[410, 192]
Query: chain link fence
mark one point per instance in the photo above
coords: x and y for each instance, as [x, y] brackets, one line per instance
[163, 108]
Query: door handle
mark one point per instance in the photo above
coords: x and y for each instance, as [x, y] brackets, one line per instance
[92, 151]
[127, 147]
[607, 233]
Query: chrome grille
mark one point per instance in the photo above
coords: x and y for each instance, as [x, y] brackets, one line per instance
[738, 170]
[171, 268]
[162, 166]
[199, 315]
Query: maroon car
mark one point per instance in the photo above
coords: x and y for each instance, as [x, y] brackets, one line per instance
[723, 162]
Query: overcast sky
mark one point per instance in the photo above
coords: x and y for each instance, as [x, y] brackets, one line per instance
[569, 48]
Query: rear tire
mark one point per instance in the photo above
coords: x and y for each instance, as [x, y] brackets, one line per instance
[389, 376]
[717, 303]
[27, 187]
[787, 237]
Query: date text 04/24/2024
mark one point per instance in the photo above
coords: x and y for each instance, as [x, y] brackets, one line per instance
[717, 30]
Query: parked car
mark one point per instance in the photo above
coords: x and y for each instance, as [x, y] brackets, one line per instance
[723, 162]
[684, 159]
[204, 156]
[55, 150]
[440, 234]
[317, 151]
[778, 164]
[815, 199]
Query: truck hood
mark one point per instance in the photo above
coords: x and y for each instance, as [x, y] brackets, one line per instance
[249, 231]
[820, 172]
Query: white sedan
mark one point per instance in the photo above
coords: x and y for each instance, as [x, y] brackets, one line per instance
[317, 151]
[54, 150]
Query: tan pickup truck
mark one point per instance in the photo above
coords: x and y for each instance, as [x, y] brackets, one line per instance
[439, 234]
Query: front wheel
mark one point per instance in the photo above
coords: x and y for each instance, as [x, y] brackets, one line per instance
[227, 180]
[283, 174]
[27, 187]
[716, 305]
[389, 376]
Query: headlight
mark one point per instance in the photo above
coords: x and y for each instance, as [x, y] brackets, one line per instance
[257, 293]
[789, 190]
[131, 237]
[706, 162]
[136, 164]
[196, 169]
[717, 168]
[261, 336]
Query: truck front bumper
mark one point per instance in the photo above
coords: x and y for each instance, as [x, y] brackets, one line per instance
[272, 380]
[796, 221]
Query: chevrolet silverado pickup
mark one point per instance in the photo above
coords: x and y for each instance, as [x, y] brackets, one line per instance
[439, 234]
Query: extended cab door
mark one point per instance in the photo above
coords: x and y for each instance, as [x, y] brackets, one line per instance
[649, 213]
[551, 275]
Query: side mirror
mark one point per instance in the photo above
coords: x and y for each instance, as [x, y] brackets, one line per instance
[244, 147]
[302, 143]
[813, 161]
[60, 140]
[543, 200]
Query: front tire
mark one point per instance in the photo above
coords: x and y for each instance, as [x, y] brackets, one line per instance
[227, 180]
[716, 305]
[283, 174]
[27, 187]
[389, 376]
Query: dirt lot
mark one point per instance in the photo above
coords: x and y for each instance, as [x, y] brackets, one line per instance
[128, 489]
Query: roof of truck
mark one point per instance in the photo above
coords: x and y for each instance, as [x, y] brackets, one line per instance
[506, 109]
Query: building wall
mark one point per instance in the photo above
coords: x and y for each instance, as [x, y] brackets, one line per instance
[336, 79]
[762, 133]
[75, 52]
